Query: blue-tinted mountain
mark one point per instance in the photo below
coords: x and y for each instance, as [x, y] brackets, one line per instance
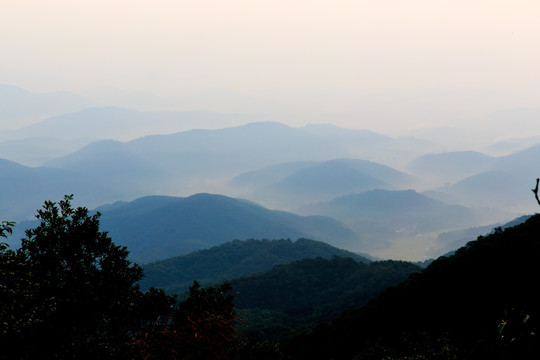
[449, 167]
[36, 151]
[24, 189]
[200, 159]
[19, 106]
[254, 179]
[325, 180]
[507, 181]
[115, 162]
[382, 214]
[121, 123]
[159, 227]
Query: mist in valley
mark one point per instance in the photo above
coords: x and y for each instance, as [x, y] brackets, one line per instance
[396, 125]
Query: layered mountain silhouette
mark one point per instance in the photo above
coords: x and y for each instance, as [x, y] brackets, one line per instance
[384, 214]
[19, 107]
[449, 167]
[302, 183]
[123, 124]
[24, 189]
[507, 181]
[159, 227]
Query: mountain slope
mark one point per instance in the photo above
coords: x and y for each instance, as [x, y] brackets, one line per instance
[114, 161]
[205, 160]
[326, 180]
[290, 297]
[507, 181]
[457, 302]
[231, 260]
[449, 167]
[159, 227]
[36, 151]
[124, 124]
[19, 106]
[401, 223]
[395, 209]
[24, 189]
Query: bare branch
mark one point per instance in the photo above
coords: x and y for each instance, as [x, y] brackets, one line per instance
[535, 191]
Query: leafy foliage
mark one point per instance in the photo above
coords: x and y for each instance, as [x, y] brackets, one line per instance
[77, 286]
[70, 293]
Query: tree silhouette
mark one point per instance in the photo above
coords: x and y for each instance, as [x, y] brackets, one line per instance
[201, 327]
[79, 289]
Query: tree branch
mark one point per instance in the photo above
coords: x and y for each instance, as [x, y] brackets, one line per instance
[535, 191]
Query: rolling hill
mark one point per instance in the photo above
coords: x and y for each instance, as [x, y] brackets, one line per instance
[24, 189]
[123, 124]
[36, 151]
[507, 181]
[21, 107]
[380, 215]
[449, 167]
[231, 260]
[326, 180]
[159, 227]
[205, 160]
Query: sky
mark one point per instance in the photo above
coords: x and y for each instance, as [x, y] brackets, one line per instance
[396, 63]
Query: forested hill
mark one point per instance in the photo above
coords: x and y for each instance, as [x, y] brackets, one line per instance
[159, 227]
[233, 259]
[291, 297]
[482, 302]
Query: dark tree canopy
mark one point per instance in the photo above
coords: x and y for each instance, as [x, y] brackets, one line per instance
[70, 293]
[80, 288]
[201, 327]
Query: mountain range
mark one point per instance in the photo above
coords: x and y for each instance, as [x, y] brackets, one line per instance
[385, 218]
[158, 227]
[297, 183]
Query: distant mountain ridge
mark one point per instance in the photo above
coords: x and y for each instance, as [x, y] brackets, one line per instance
[303, 183]
[507, 180]
[205, 160]
[450, 167]
[158, 227]
[24, 189]
[19, 106]
[382, 215]
[124, 124]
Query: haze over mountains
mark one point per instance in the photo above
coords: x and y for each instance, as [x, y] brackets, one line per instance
[369, 181]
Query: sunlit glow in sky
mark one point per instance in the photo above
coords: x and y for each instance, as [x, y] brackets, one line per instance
[329, 56]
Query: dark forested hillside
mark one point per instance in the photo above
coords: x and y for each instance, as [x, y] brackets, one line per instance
[480, 303]
[291, 297]
[233, 259]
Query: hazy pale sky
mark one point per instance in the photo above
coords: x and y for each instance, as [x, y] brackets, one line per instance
[293, 50]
